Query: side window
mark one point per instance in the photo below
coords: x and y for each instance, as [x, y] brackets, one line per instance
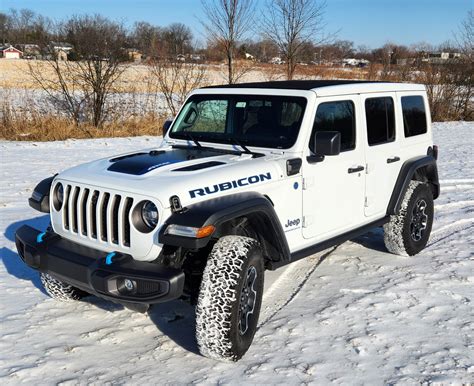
[380, 116]
[336, 116]
[414, 115]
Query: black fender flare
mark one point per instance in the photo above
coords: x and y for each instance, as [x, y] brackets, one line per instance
[422, 168]
[39, 199]
[221, 210]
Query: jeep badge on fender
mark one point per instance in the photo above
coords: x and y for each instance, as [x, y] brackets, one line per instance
[248, 178]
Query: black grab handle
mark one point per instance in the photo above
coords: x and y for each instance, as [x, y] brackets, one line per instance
[394, 159]
[355, 170]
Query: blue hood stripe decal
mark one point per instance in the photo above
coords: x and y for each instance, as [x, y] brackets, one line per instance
[142, 163]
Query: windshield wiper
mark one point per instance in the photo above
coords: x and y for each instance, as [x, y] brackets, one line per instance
[235, 141]
[188, 135]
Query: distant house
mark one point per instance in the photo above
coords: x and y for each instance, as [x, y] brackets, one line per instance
[134, 55]
[10, 52]
[61, 49]
[441, 57]
[196, 57]
[352, 62]
[431, 57]
[276, 60]
[30, 51]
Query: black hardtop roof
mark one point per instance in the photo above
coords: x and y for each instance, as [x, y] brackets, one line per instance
[293, 84]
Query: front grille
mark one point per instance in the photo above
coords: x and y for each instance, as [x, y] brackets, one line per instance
[96, 214]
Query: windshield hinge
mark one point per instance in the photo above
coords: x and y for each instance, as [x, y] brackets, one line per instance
[308, 182]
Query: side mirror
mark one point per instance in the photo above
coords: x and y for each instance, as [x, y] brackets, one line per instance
[166, 126]
[326, 143]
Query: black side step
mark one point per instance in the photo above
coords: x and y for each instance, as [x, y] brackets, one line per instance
[295, 256]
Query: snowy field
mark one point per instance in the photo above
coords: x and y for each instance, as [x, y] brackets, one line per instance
[352, 315]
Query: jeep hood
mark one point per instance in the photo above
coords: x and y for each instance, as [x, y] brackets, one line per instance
[184, 171]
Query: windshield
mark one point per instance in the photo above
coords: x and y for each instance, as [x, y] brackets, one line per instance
[249, 120]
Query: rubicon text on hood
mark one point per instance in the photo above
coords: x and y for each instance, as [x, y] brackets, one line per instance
[230, 185]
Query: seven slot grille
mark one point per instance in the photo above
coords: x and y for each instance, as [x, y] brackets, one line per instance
[96, 214]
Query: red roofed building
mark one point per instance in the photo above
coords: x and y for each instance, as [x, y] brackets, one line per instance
[10, 52]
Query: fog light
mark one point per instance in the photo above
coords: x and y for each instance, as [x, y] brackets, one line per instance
[126, 286]
[129, 284]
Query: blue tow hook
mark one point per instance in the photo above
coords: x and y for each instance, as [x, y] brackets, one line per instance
[108, 258]
[39, 238]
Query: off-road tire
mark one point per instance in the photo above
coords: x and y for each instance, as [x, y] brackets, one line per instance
[232, 261]
[60, 290]
[398, 232]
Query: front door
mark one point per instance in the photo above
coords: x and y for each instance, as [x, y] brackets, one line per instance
[334, 189]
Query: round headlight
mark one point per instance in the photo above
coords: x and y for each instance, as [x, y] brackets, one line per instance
[150, 214]
[58, 196]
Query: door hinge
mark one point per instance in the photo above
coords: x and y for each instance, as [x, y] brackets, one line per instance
[307, 221]
[366, 202]
[366, 168]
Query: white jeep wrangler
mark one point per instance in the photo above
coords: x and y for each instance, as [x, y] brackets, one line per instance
[248, 177]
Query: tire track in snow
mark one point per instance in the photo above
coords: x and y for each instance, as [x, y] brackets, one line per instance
[454, 205]
[288, 285]
[457, 181]
[448, 230]
[447, 188]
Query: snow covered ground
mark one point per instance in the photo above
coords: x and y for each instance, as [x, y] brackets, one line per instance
[352, 315]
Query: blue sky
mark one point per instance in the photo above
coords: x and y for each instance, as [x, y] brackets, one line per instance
[367, 22]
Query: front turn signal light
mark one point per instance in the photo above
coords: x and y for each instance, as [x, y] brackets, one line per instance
[205, 231]
[185, 231]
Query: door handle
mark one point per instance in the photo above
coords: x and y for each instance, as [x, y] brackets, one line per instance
[356, 169]
[393, 159]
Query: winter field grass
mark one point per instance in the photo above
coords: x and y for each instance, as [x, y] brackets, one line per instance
[352, 315]
[14, 74]
[135, 107]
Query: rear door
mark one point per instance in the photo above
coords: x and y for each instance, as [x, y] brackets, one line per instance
[382, 148]
[334, 189]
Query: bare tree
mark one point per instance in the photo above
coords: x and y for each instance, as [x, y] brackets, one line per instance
[82, 87]
[4, 27]
[465, 36]
[178, 38]
[175, 80]
[229, 21]
[464, 68]
[23, 27]
[292, 23]
[64, 88]
[147, 38]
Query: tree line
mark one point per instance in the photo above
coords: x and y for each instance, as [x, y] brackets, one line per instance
[293, 30]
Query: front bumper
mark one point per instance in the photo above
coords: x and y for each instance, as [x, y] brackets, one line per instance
[94, 272]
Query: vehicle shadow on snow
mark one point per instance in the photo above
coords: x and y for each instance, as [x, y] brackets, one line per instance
[372, 240]
[10, 259]
[176, 320]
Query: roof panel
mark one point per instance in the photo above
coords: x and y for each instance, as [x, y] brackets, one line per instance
[293, 84]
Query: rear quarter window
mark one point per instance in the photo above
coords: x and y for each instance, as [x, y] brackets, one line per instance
[414, 115]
